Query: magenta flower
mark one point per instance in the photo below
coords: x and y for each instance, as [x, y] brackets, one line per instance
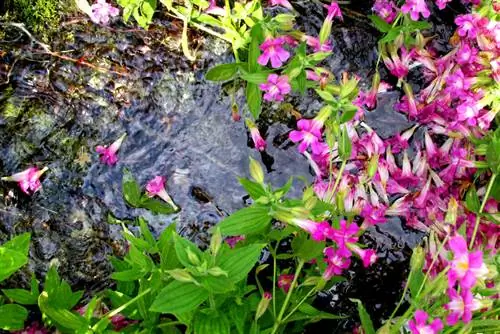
[461, 306]
[442, 3]
[282, 3]
[258, 141]
[457, 84]
[420, 326]
[309, 134]
[108, 154]
[319, 231]
[285, 281]
[316, 45]
[386, 9]
[466, 54]
[398, 65]
[335, 263]
[156, 187]
[466, 267]
[468, 111]
[416, 7]
[232, 241]
[273, 51]
[101, 11]
[28, 180]
[333, 11]
[276, 87]
[345, 236]
[368, 256]
[214, 9]
[373, 214]
[467, 25]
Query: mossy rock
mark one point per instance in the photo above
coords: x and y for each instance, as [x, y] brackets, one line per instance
[42, 17]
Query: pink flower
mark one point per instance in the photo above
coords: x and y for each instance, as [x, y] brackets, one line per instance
[285, 281]
[416, 7]
[420, 326]
[344, 236]
[335, 263]
[101, 11]
[28, 180]
[309, 134]
[214, 9]
[461, 306]
[108, 154]
[267, 295]
[283, 3]
[316, 45]
[466, 54]
[273, 51]
[373, 214]
[398, 65]
[467, 25]
[457, 84]
[232, 241]
[386, 9]
[275, 87]
[368, 256]
[258, 141]
[119, 322]
[468, 111]
[156, 187]
[319, 230]
[465, 267]
[333, 11]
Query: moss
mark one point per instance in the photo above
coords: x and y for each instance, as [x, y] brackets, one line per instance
[42, 17]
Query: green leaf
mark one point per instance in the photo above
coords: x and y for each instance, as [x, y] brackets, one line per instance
[217, 285]
[347, 115]
[21, 296]
[250, 220]
[419, 25]
[12, 317]
[238, 315]
[178, 297]
[305, 248]
[325, 31]
[254, 51]
[61, 316]
[379, 23]
[366, 321]
[345, 146]
[211, 323]
[156, 206]
[14, 255]
[472, 200]
[391, 35]
[238, 262]
[493, 155]
[254, 99]
[254, 189]
[325, 95]
[301, 82]
[166, 245]
[317, 57]
[187, 252]
[256, 77]
[222, 72]
[131, 190]
[148, 9]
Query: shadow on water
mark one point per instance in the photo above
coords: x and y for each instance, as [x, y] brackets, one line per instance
[54, 113]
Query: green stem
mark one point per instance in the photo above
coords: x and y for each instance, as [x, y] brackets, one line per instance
[212, 302]
[478, 217]
[274, 281]
[393, 25]
[278, 321]
[299, 304]
[407, 285]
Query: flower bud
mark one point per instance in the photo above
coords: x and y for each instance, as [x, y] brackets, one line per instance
[217, 271]
[373, 166]
[263, 305]
[181, 275]
[193, 258]
[285, 21]
[256, 171]
[451, 215]
[215, 242]
[417, 258]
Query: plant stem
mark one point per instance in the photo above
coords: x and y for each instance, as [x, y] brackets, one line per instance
[274, 281]
[300, 303]
[478, 217]
[278, 321]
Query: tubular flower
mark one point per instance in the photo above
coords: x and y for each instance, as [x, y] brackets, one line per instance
[214, 9]
[309, 134]
[442, 3]
[420, 326]
[285, 281]
[373, 214]
[398, 65]
[344, 236]
[108, 154]
[258, 141]
[101, 11]
[467, 25]
[316, 45]
[273, 51]
[466, 54]
[283, 3]
[368, 256]
[156, 187]
[28, 180]
[335, 263]
[466, 267]
[319, 231]
[461, 306]
[386, 9]
[276, 87]
[333, 11]
[415, 8]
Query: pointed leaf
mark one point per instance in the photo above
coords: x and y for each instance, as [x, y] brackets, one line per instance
[250, 220]
[179, 297]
